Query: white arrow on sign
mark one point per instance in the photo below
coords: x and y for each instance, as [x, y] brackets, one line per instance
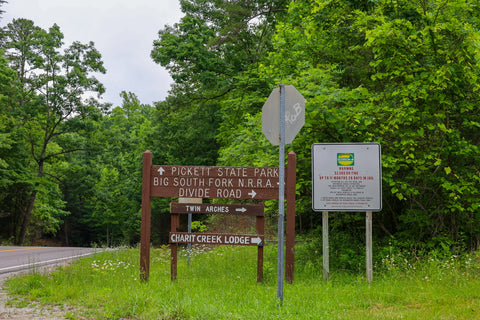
[242, 209]
[252, 194]
[161, 171]
[257, 240]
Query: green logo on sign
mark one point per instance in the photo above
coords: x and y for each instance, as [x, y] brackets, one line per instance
[345, 159]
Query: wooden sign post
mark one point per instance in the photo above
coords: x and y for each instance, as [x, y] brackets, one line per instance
[146, 213]
[290, 236]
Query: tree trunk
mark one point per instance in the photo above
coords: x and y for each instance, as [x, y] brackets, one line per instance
[26, 218]
[31, 204]
[66, 229]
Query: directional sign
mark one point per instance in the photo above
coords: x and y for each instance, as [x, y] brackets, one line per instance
[216, 238]
[214, 182]
[294, 115]
[215, 208]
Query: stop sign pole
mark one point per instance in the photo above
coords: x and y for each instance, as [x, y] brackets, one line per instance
[280, 128]
[281, 196]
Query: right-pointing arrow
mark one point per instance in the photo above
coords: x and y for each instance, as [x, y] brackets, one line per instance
[242, 209]
[257, 240]
[252, 194]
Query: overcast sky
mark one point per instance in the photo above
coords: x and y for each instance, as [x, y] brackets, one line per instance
[122, 30]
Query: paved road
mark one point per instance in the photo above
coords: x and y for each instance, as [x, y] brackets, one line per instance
[15, 259]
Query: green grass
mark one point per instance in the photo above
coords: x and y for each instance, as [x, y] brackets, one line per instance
[221, 283]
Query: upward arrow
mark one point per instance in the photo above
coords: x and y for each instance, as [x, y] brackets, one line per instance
[161, 170]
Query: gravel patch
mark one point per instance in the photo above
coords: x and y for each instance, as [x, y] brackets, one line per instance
[31, 312]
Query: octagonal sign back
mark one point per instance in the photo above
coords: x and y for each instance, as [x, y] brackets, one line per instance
[294, 115]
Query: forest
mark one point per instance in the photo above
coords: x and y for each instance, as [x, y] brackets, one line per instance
[403, 73]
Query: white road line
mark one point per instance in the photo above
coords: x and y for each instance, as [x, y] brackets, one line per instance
[43, 263]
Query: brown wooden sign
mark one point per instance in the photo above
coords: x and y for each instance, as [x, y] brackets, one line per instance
[216, 208]
[214, 182]
[217, 238]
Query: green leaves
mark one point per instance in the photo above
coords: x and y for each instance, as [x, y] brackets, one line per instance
[51, 93]
[400, 73]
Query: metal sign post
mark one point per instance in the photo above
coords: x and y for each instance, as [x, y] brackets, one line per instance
[281, 196]
[369, 260]
[189, 225]
[283, 116]
[325, 246]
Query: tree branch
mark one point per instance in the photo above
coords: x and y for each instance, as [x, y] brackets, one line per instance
[62, 152]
